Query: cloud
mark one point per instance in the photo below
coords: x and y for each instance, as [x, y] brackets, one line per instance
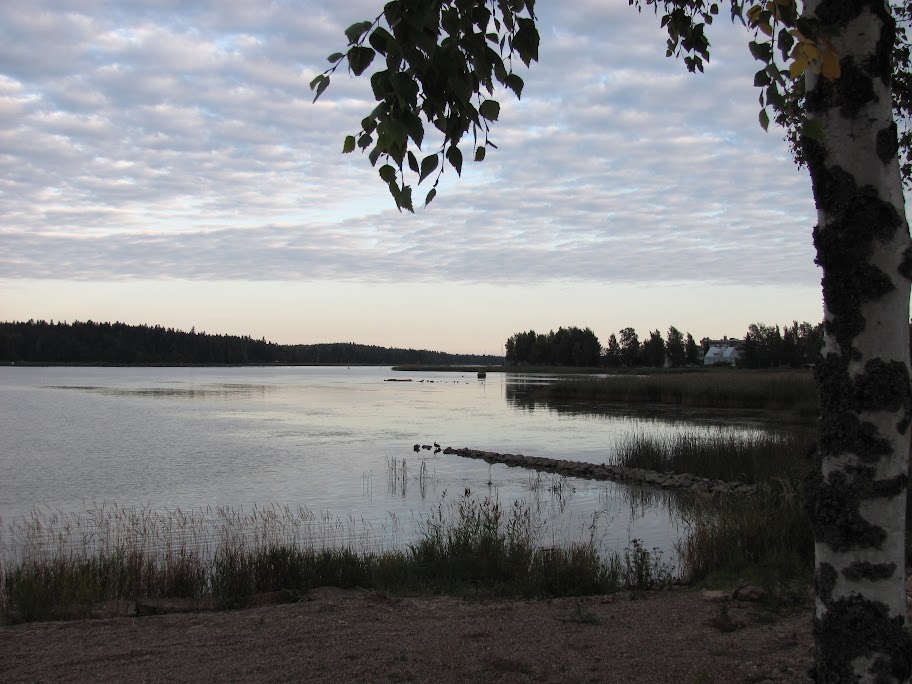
[178, 140]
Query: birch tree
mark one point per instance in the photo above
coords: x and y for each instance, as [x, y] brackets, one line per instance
[826, 70]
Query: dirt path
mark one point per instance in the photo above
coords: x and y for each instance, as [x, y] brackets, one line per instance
[347, 636]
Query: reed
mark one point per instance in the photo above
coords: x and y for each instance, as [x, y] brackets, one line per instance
[719, 454]
[765, 537]
[54, 566]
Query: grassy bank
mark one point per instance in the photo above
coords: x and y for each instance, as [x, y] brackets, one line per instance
[51, 569]
[791, 390]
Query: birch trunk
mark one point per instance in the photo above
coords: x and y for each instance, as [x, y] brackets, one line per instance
[857, 495]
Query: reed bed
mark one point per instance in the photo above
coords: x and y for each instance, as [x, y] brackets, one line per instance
[54, 566]
[764, 538]
[791, 390]
[720, 454]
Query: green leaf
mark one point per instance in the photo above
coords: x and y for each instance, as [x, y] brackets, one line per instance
[454, 156]
[394, 191]
[813, 128]
[526, 41]
[490, 109]
[388, 173]
[761, 79]
[430, 196]
[364, 141]
[349, 144]
[355, 31]
[480, 153]
[405, 198]
[374, 155]
[762, 52]
[382, 41]
[381, 84]
[359, 58]
[394, 131]
[413, 161]
[414, 127]
[321, 86]
[428, 164]
[335, 57]
[514, 83]
[764, 119]
[786, 42]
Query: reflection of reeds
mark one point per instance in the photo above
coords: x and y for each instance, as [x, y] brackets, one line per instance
[718, 389]
[398, 477]
[718, 454]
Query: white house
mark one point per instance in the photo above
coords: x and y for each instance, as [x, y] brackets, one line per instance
[716, 355]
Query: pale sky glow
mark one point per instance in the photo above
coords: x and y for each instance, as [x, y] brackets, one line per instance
[161, 162]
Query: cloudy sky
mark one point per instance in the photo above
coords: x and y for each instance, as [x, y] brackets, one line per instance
[161, 162]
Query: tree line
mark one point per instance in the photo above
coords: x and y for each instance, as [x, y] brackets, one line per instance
[121, 344]
[763, 346]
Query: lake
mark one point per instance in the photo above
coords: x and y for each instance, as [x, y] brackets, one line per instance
[335, 441]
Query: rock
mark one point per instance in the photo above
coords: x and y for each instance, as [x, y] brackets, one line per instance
[174, 605]
[715, 595]
[750, 593]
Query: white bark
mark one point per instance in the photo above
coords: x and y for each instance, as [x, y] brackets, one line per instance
[851, 143]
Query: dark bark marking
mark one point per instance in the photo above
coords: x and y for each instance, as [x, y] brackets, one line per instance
[870, 571]
[881, 63]
[884, 386]
[887, 143]
[833, 506]
[890, 487]
[840, 429]
[905, 265]
[857, 216]
[855, 627]
[825, 581]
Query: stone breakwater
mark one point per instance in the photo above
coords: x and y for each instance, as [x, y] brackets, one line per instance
[603, 471]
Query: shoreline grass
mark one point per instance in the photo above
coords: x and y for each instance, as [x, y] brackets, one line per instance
[51, 570]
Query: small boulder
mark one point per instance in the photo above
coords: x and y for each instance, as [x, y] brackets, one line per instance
[750, 593]
[715, 595]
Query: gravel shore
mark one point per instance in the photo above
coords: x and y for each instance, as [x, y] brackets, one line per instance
[364, 636]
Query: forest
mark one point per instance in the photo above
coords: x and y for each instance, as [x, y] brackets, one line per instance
[88, 342]
[763, 346]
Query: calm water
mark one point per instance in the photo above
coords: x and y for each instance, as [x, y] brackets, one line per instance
[72, 439]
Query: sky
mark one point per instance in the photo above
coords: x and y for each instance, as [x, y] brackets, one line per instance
[162, 162]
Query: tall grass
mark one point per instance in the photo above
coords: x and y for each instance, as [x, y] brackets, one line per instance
[765, 537]
[718, 388]
[63, 566]
[719, 454]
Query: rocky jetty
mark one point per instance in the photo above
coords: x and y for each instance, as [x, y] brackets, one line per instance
[604, 471]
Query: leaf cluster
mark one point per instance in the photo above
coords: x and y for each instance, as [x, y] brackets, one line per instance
[441, 62]
[790, 116]
[685, 21]
[438, 62]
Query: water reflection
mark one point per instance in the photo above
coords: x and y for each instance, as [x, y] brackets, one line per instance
[518, 396]
[335, 440]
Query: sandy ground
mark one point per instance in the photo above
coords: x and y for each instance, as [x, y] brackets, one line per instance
[363, 636]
